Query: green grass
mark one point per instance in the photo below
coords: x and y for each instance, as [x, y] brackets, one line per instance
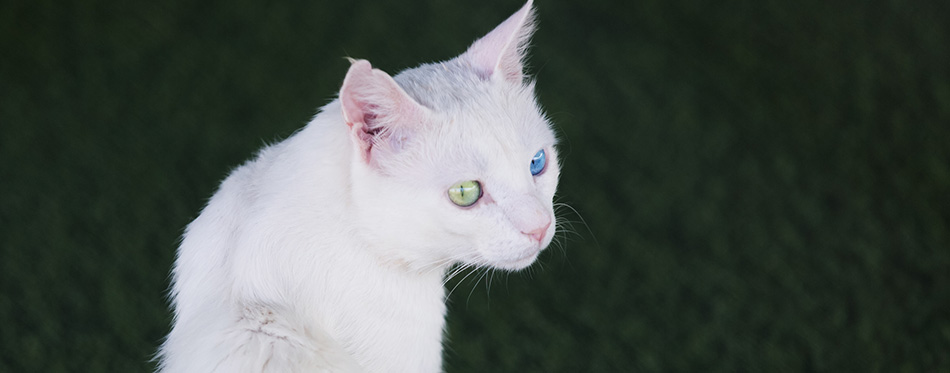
[766, 185]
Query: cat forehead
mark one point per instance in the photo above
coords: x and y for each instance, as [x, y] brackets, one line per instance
[485, 143]
[470, 105]
[453, 86]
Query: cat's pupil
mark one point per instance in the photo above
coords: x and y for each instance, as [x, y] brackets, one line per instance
[465, 193]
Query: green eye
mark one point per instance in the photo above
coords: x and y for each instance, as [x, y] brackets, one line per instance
[465, 193]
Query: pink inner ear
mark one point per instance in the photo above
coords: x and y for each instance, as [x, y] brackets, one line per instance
[502, 50]
[374, 105]
[354, 93]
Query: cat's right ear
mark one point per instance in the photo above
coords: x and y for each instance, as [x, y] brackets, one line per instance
[379, 113]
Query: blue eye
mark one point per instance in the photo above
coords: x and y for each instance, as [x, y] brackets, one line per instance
[537, 163]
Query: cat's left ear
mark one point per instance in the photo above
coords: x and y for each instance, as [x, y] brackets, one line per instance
[501, 53]
[379, 113]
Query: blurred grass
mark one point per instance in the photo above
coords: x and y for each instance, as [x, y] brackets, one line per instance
[765, 183]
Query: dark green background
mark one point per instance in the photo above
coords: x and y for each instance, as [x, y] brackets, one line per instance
[764, 183]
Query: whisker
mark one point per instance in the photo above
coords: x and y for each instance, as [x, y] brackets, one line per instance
[561, 206]
[482, 276]
[459, 283]
[454, 272]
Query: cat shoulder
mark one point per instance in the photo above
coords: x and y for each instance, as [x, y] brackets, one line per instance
[264, 339]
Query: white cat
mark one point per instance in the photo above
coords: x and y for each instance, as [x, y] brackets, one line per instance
[328, 251]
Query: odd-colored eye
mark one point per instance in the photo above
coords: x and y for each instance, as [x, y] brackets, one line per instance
[465, 193]
[537, 162]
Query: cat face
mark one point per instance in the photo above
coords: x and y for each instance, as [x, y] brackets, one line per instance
[458, 164]
[490, 141]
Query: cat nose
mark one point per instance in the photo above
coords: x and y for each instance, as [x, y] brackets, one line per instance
[538, 233]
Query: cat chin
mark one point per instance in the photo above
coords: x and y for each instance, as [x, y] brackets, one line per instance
[518, 263]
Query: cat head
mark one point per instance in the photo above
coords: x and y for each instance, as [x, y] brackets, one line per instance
[454, 161]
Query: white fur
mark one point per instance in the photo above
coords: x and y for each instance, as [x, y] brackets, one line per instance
[327, 252]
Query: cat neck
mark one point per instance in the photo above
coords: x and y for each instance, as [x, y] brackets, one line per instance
[386, 312]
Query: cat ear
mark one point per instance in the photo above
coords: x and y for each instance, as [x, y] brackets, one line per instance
[501, 52]
[378, 112]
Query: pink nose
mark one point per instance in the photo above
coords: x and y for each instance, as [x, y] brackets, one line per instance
[538, 233]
